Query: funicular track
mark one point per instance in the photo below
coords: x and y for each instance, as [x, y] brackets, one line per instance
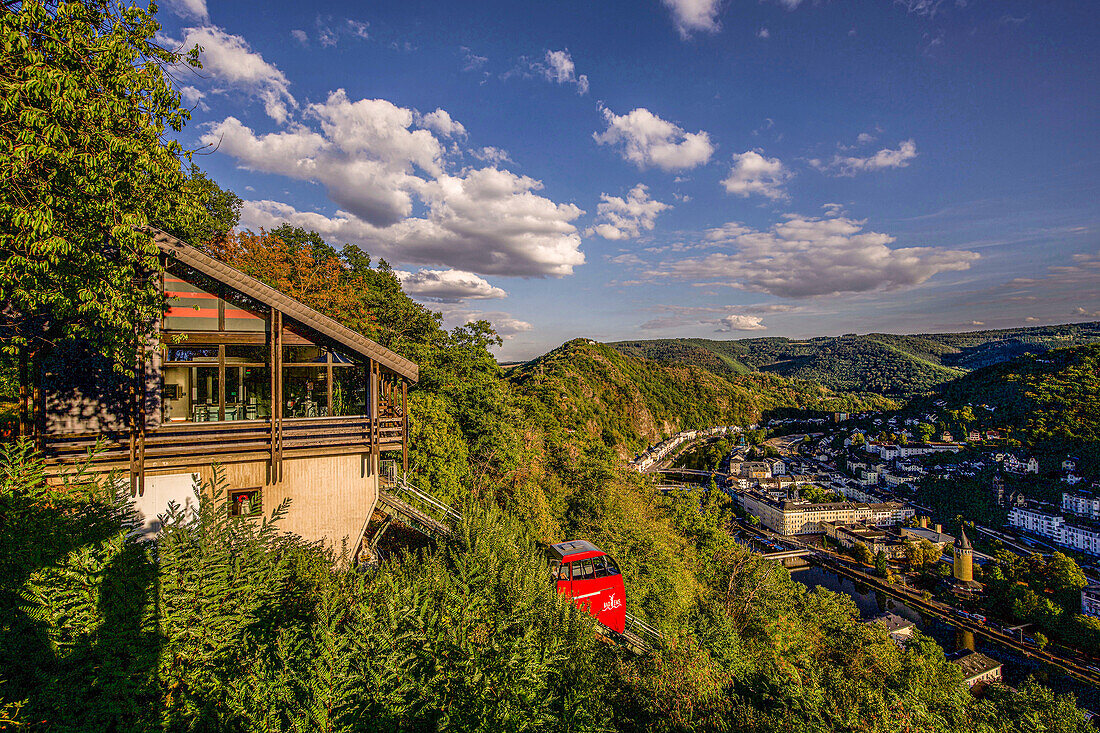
[400, 501]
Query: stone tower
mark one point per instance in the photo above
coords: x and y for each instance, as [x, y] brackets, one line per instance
[964, 558]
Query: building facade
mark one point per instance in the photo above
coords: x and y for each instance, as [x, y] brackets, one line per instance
[291, 405]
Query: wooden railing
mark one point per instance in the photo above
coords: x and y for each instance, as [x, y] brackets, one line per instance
[180, 440]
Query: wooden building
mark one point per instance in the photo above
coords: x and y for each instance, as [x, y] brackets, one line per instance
[289, 402]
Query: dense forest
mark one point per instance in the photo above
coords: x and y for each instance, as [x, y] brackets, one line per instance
[1048, 405]
[886, 363]
[221, 625]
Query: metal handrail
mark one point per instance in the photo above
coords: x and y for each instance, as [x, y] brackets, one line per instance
[642, 626]
[402, 483]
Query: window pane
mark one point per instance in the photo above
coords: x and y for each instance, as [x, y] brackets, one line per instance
[306, 392]
[177, 394]
[204, 394]
[242, 352]
[193, 353]
[304, 355]
[349, 391]
[256, 393]
[245, 503]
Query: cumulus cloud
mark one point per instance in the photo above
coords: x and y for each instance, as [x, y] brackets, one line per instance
[190, 9]
[885, 158]
[724, 318]
[752, 173]
[804, 257]
[694, 15]
[646, 140]
[300, 36]
[763, 33]
[558, 67]
[380, 169]
[191, 96]
[440, 122]
[448, 286]
[618, 218]
[229, 59]
[491, 155]
[1085, 312]
[504, 324]
[740, 323]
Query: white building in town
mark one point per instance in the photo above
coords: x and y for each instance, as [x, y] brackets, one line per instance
[1083, 504]
[1036, 522]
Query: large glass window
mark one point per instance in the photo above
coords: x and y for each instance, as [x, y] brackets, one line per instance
[349, 390]
[305, 391]
[194, 393]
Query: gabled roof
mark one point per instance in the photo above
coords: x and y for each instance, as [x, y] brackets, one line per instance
[300, 312]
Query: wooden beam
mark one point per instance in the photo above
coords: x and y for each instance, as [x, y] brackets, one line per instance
[405, 427]
[273, 369]
[24, 394]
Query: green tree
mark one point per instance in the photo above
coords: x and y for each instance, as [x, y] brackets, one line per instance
[862, 553]
[220, 209]
[882, 567]
[86, 113]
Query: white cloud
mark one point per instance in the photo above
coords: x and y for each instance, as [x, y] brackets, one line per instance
[977, 323]
[471, 61]
[885, 158]
[739, 323]
[504, 324]
[618, 218]
[763, 33]
[865, 138]
[190, 95]
[300, 36]
[1086, 313]
[448, 286]
[491, 155]
[441, 123]
[190, 9]
[789, 4]
[753, 173]
[724, 317]
[377, 167]
[229, 58]
[646, 140]
[804, 256]
[694, 15]
[920, 7]
[558, 67]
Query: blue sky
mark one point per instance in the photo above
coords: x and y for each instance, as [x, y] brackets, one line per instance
[626, 170]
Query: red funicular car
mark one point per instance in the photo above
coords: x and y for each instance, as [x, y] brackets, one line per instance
[591, 578]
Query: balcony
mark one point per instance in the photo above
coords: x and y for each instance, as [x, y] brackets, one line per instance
[183, 444]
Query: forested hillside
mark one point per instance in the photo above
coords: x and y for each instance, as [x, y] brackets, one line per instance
[224, 625]
[630, 402]
[885, 363]
[1048, 403]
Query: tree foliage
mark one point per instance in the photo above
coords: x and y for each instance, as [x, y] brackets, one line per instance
[86, 113]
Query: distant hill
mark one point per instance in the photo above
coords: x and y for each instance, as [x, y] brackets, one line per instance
[1048, 402]
[885, 363]
[631, 402]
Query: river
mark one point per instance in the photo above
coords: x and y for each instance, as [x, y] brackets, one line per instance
[1016, 669]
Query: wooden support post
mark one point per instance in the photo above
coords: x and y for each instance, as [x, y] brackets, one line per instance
[273, 368]
[404, 428]
[374, 417]
[38, 403]
[277, 412]
[141, 386]
[24, 395]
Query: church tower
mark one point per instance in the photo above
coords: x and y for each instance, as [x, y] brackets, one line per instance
[964, 558]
